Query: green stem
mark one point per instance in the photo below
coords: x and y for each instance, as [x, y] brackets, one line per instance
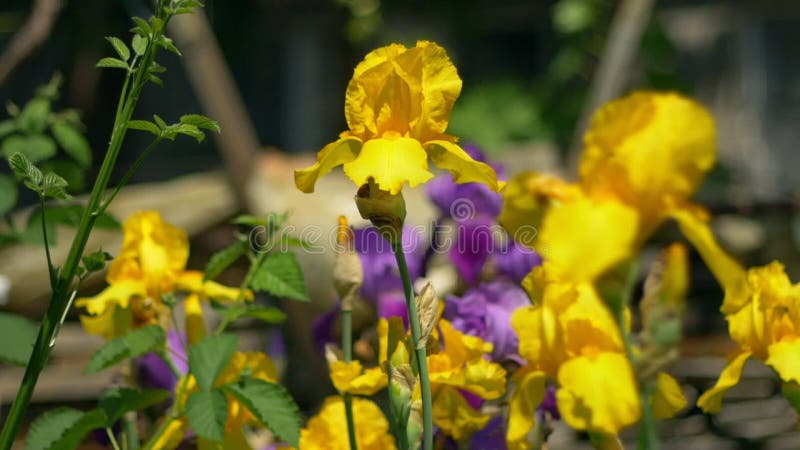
[129, 174]
[50, 269]
[648, 433]
[347, 350]
[57, 307]
[420, 348]
[111, 437]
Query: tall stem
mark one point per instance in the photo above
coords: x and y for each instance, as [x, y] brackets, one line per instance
[347, 350]
[420, 348]
[56, 309]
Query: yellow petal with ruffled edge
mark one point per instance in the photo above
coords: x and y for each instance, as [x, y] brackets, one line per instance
[195, 324]
[485, 379]
[452, 158]
[112, 323]
[647, 148]
[192, 281]
[390, 161]
[527, 396]
[783, 357]
[693, 223]
[598, 393]
[119, 294]
[604, 230]
[351, 377]
[668, 397]
[711, 400]
[454, 415]
[332, 155]
[328, 429]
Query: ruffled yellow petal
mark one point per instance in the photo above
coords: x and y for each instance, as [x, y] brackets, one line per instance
[485, 379]
[118, 294]
[668, 397]
[784, 357]
[192, 281]
[390, 161]
[540, 341]
[527, 395]
[598, 393]
[328, 429]
[450, 157]
[351, 377]
[606, 230]
[454, 415]
[332, 155]
[728, 272]
[647, 148]
[173, 435]
[711, 400]
[112, 323]
[195, 324]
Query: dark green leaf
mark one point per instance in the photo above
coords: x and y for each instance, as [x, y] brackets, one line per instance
[139, 44]
[281, 276]
[209, 357]
[119, 47]
[8, 194]
[207, 413]
[33, 118]
[112, 63]
[7, 127]
[272, 405]
[144, 125]
[35, 147]
[132, 345]
[222, 259]
[73, 142]
[118, 401]
[76, 434]
[51, 426]
[19, 331]
[201, 122]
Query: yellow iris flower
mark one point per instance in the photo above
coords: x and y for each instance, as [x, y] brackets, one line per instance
[571, 336]
[397, 107]
[353, 378]
[151, 263]
[327, 430]
[762, 307]
[459, 364]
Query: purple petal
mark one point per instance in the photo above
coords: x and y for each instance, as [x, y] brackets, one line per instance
[393, 304]
[491, 437]
[323, 328]
[515, 260]
[379, 263]
[473, 244]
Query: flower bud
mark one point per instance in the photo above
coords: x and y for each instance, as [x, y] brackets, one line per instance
[386, 211]
[348, 275]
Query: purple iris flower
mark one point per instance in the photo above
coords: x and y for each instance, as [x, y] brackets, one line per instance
[490, 437]
[485, 311]
[515, 261]
[155, 373]
[549, 403]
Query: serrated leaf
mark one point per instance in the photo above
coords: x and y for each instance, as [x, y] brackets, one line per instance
[33, 117]
[281, 276]
[76, 434]
[222, 259]
[69, 170]
[201, 122]
[48, 428]
[139, 44]
[112, 63]
[54, 186]
[119, 47]
[35, 147]
[22, 333]
[207, 413]
[272, 405]
[267, 314]
[118, 401]
[8, 194]
[132, 345]
[19, 164]
[144, 125]
[209, 357]
[73, 142]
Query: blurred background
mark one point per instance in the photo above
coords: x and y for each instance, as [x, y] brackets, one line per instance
[273, 72]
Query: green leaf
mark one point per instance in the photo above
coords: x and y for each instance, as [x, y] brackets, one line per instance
[35, 147]
[119, 47]
[54, 186]
[209, 357]
[222, 259]
[207, 413]
[144, 125]
[167, 44]
[73, 142]
[33, 118]
[69, 170]
[191, 131]
[7, 127]
[155, 80]
[139, 44]
[159, 121]
[112, 63]
[248, 220]
[201, 122]
[96, 260]
[22, 333]
[71, 216]
[142, 27]
[63, 428]
[266, 314]
[281, 276]
[8, 194]
[33, 229]
[132, 345]
[272, 405]
[118, 401]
